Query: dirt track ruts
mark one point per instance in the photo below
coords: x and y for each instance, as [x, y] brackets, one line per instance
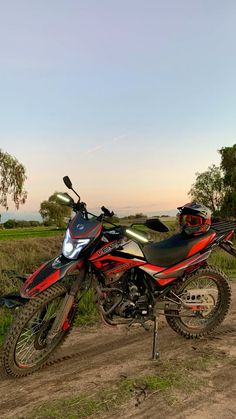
[99, 356]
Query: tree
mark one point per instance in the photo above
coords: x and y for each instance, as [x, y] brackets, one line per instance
[12, 178]
[208, 189]
[10, 224]
[54, 213]
[228, 165]
[134, 216]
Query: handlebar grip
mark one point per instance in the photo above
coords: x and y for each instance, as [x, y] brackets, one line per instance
[106, 212]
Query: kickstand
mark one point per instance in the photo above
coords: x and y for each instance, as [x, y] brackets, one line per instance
[155, 353]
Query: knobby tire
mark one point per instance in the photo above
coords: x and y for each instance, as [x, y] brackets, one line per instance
[219, 313]
[9, 363]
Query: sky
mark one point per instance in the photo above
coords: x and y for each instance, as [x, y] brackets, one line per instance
[130, 98]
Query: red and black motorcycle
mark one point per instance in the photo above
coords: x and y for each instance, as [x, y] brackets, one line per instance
[134, 280]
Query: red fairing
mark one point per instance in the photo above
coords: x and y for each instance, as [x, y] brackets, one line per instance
[154, 271]
[229, 235]
[51, 279]
[204, 242]
[175, 271]
[164, 276]
[107, 248]
[31, 277]
[166, 281]
[94, 231]
[47, 275]
[153, 268]
[111, 265]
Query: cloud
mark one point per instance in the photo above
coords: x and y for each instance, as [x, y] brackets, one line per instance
[94, 149]
[106, 144]
[119, 138]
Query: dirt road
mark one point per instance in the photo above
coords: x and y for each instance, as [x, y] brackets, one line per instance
[97, 357]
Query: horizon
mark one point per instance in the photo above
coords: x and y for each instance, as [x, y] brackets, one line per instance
[35, 216]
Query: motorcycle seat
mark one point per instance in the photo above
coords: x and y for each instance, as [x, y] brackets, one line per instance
[176, 248]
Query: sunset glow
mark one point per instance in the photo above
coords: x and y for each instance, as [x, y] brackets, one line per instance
[129, 99]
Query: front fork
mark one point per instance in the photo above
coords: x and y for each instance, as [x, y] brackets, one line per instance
[62, 315]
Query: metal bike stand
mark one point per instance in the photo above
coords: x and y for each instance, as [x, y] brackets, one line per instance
[155, 353]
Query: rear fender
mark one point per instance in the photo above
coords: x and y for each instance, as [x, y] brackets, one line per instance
[228, 247]
[48, 274]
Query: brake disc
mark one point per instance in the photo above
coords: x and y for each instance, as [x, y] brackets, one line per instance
[41, 340]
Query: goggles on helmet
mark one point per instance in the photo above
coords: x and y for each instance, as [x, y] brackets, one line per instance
[191, 220]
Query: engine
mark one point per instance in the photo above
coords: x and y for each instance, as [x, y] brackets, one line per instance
[128, 297]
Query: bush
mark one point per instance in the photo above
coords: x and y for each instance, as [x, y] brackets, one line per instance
[21, 224]
[10, 224]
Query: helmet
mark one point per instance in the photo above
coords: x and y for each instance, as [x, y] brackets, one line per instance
[194, 218]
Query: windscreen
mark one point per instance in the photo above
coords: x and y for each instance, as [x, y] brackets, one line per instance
[82, 228]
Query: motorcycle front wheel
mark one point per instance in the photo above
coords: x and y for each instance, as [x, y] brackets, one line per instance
[27, 345]
[204, 300]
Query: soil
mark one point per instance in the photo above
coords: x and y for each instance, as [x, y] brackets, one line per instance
[96, 357]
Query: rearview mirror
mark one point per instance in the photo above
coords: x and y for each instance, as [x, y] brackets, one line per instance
[156, 225]
[67, 182]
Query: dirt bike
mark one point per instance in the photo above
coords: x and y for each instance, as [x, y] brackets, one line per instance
[134, 280]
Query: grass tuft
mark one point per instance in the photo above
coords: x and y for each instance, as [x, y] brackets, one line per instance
[171, 376]
[224, 261]
[87, 311]
[6, 317]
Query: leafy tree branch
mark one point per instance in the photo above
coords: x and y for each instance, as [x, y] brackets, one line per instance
[12, 178]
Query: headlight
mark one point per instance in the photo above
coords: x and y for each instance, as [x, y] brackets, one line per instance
[72, 247]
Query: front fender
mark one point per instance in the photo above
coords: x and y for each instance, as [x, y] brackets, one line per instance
[48, 274]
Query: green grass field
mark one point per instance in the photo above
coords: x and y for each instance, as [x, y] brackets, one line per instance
[24, 233]
[41, 231]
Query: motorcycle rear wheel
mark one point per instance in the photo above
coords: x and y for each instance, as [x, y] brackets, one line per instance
[25, 348]
[210, 285]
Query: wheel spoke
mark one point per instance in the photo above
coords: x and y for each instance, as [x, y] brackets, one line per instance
[23, 357]
[31, 345]
[207, 294]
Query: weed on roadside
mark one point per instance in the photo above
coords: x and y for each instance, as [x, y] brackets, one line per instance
[170, 377]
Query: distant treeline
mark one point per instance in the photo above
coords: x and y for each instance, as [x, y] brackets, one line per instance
[20, 224]
[139, 215]
[12, 223]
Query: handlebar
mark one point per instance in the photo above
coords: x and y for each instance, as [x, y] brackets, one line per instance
[80, 206]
